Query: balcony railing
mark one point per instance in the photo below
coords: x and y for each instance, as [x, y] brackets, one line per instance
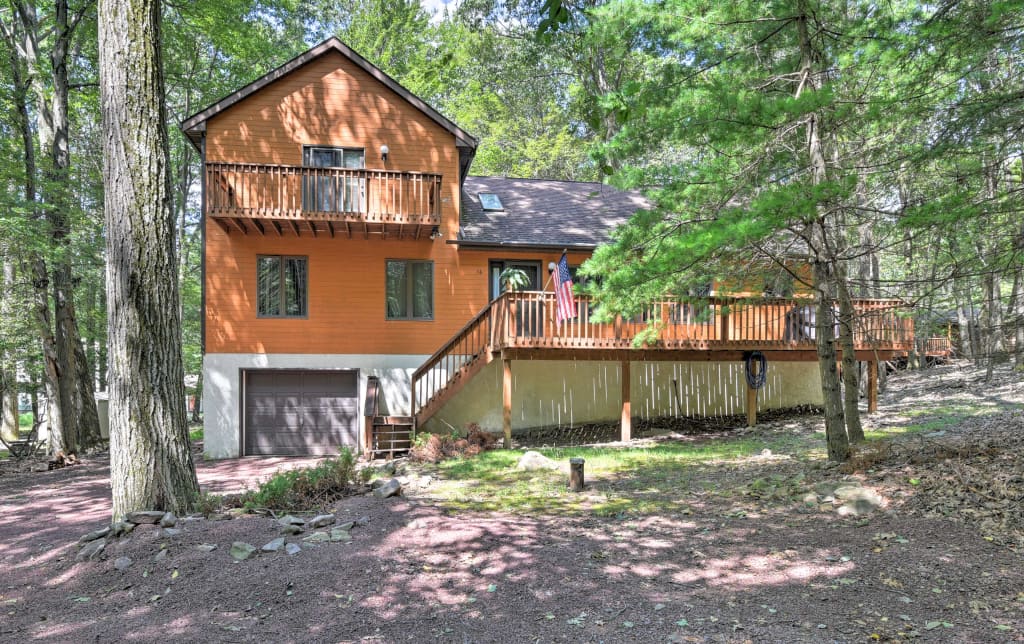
[260, 191]
[527, 321]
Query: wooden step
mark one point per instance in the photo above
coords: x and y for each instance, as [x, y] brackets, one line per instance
[391, 435]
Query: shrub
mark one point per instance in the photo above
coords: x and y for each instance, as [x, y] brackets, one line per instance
[307, 487]
[433, 448]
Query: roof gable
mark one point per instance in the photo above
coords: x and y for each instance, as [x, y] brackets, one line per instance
[194, 126]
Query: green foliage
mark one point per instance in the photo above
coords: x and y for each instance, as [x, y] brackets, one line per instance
[514, 279]
[305, 488]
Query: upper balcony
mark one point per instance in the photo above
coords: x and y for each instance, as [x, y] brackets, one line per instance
[261, 198]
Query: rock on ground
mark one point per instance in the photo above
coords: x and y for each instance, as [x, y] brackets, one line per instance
[241, 550]
[535, 461]
[391, 488]
[320, 521]
[146, 516]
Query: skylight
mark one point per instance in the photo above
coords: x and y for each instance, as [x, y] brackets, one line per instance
[490, 201]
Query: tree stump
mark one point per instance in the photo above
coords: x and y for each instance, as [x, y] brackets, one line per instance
[576, 474]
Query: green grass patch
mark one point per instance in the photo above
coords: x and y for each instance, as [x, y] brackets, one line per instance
[25, 421]
[623, 480]
[195, 434]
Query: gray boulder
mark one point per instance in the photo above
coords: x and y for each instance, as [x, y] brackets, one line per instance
[206, 547]
[291, 529]
[273, 546]
[168, 520]
[337, 534]
[293, 549]
[391, 488]
[318, 537]
[122, 563]
[290, 520]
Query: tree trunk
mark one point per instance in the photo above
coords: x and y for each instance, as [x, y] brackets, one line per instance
[835, 429]
[823, 261]
[8, 364]
[197, 399]
[151, 460]
[52, 125]
[851, 372]
[48, 344]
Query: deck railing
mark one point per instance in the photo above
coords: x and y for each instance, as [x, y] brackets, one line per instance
[527, 320]
[254, 190]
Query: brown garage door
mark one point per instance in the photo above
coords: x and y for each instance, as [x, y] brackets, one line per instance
[300, 412]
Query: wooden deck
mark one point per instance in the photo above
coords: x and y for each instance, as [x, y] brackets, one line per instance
[262, 198]
[523, 326]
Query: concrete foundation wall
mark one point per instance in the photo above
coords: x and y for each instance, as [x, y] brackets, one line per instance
[556, 393]
[222, 388]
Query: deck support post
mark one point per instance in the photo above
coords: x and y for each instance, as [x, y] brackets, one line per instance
[872, 386]
[506, 401]
[627, 417]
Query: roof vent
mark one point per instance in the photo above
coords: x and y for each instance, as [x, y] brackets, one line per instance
[490, 201]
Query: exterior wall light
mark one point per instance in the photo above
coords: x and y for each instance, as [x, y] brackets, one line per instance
[384, 153]
[436, 233]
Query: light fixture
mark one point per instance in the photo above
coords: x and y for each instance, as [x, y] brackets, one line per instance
[384, 153]
[436, 233]
[551, 267]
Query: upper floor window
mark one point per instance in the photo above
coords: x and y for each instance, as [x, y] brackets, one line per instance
[281, 286]
[333, 189]
[410, 290]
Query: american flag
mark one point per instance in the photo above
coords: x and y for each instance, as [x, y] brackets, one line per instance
[566, 303]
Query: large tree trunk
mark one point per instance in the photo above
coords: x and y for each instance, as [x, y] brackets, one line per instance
[151, 460]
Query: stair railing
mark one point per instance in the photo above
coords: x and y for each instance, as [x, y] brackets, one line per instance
[473, 342]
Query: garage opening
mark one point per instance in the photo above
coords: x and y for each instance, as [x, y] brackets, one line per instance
[299, 412]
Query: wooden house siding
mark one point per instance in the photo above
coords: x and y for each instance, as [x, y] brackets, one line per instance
[333, 102]
[346, 293]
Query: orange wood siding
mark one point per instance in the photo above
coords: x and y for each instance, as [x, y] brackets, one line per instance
[346, 294]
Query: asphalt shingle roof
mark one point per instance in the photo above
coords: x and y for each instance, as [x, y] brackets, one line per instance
[539, 212]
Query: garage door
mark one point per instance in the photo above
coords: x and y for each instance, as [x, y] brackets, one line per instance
[300, 412]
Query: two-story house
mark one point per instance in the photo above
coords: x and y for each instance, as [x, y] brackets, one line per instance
[351, 268]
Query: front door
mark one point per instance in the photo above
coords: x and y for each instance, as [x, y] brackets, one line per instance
[529, 314]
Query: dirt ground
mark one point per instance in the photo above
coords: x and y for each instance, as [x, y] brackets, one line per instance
[774, 571]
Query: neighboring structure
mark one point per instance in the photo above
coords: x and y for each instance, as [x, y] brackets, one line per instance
[351, 271]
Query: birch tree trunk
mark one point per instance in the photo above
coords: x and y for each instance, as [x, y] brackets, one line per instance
[151, 461]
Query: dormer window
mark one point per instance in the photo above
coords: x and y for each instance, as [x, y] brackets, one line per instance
[490, 201]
